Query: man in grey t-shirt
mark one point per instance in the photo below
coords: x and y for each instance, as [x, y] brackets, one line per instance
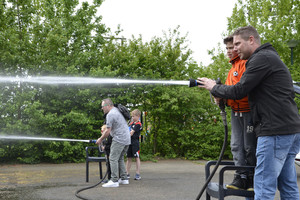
[117, 127]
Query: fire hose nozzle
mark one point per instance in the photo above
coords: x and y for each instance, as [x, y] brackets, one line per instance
[93, 141]
[193, 83]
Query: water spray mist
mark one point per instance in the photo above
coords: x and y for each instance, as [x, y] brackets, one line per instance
[52, 80]
[16, 137]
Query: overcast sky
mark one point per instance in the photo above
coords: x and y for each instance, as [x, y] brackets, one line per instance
[204, 21]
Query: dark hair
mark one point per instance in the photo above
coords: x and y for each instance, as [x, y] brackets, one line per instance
[247, 31]
[228, 39]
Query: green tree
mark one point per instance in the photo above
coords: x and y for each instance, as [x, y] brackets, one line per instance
[48, 38]
[277, 21]
[58, 38]
[174, 113]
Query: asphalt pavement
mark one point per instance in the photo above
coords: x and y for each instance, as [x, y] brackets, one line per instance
[162, 180]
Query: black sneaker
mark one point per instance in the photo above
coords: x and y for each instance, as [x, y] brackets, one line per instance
[238, 183]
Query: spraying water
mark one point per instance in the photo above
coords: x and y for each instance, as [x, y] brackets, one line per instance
[16, 137]
[52, 80]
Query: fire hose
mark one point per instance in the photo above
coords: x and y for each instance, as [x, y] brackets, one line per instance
[224, 119]
[92, 186]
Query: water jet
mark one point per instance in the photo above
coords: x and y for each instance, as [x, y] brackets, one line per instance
[17, 137]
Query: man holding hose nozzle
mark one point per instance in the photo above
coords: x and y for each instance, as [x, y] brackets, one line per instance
[243, 140]
[118, 129]
[269, 87]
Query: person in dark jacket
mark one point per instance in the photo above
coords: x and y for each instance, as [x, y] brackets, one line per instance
[268, 84]
[106, 147]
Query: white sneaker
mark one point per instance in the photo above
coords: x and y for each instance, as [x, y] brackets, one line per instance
[111, 184]
[123, 182]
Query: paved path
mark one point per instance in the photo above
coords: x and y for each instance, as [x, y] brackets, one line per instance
[162, 180]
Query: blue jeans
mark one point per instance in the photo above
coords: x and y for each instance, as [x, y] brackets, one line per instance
[275, 167]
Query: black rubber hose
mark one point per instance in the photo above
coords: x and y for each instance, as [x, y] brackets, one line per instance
[89, 187]
[217, 164]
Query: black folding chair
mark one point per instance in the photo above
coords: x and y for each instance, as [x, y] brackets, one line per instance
[94, 154]
[219, 190]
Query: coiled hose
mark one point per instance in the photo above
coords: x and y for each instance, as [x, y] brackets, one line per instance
[90, 187]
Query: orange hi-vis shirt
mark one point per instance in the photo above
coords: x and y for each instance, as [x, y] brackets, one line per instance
[234, 76]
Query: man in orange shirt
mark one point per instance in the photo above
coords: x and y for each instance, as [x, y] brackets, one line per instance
[243, 139]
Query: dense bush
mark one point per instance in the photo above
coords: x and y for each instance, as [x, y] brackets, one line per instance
[46, 38]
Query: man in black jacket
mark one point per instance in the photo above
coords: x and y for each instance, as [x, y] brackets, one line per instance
[269, 87]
